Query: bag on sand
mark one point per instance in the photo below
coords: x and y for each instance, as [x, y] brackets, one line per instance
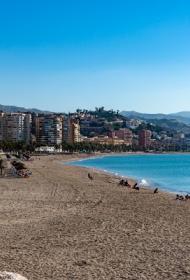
[11, 276]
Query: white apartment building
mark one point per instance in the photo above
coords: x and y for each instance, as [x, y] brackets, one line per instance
[49, 129]
[15, 127]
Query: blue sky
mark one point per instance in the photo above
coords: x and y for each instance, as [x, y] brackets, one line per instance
[121, 54]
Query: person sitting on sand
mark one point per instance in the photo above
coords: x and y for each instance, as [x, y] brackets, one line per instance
[136, 187]
[90, 176]
[177, 196]
[156, 190]
[126, 184]
[121, 182]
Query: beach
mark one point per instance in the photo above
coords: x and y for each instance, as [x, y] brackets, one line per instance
[58, 224]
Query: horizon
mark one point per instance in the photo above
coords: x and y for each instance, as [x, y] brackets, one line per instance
[126, 54]
[93, 109]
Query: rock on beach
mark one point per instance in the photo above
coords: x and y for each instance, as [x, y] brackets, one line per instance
[11, 276]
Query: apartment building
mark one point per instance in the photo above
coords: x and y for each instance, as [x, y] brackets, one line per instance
[15, 127]
[145, 138]
[48, 129]
[1, 126]
[71, 131]
[122, 134]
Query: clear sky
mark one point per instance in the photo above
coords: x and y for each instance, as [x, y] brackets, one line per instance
[122, 54]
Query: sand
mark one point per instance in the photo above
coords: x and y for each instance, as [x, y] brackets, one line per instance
[60, 225]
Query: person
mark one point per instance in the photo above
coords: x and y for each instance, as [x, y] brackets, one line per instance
[136, 187]
[90, 176]
[156, 190]
[177, 196]
[127, 184]
[121, 182]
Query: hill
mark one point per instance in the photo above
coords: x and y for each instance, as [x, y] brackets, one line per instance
[183, 117]
[14, 109]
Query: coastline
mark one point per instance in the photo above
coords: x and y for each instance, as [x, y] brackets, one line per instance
[58, 224]
[132, 180]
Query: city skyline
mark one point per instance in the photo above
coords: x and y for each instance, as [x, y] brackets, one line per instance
[126, 55]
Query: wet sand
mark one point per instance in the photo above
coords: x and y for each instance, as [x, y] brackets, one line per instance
[60, 225]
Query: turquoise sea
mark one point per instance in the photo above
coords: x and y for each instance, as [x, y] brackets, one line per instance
[170, 172]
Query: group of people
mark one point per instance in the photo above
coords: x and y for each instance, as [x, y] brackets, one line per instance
[181, 197]
[125, 183]
[136, 187]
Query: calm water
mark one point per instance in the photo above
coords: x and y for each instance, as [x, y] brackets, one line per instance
[169, 172]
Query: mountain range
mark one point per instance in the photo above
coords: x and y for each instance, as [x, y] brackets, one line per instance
[183, 116]
[14, 109]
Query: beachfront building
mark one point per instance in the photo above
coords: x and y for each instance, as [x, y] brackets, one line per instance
[48, 129]
[1, 126]
[104, 140]
[145, 138]
[71, 131]
[15, 127]
[124, 134]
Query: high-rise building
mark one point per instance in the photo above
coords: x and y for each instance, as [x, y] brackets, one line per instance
[48, 129]
[15, 127]
[1, 126]
[145, 138]
[71, 131]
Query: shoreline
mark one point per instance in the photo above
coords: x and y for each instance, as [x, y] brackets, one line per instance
[132, 180]
[120, 176]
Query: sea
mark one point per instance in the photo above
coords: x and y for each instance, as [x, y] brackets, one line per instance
[169, 172]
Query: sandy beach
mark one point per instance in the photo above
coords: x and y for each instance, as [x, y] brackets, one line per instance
[58, 224]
